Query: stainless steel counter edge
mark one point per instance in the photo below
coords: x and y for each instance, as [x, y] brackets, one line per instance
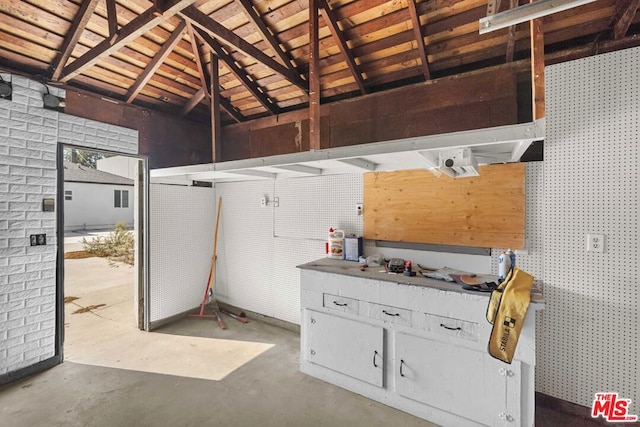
[350, 268]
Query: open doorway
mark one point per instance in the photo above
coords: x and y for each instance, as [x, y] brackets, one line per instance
[102, 215]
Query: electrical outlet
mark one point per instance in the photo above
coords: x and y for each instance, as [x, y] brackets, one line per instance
[595, 242]
[38, 239]
[359, 208]
[263, 202]
[276, 202]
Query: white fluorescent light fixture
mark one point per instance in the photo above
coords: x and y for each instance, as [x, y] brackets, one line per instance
[527, 12]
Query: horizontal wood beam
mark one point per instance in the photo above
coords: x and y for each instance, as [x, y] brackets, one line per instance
[223, 34]
[238, 71]
[157, 60]
[134, 29]
[331, 20]
[73, 35]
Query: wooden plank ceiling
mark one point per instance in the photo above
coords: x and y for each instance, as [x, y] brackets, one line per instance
[157, 53]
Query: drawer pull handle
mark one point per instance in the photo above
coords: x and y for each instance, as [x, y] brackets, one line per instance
[340, 305]
[401, 363]
[442, 325]
[390, 314]
[375, 353]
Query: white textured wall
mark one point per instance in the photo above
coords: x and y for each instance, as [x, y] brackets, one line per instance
[92, 206]
[181, 228]
[589, 340]
[29, 137]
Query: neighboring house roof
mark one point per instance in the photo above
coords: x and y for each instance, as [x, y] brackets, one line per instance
[75, 172]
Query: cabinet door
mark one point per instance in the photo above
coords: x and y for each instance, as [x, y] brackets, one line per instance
[461, 381]
[346, 346]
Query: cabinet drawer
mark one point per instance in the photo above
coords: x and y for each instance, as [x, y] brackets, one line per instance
[451, 327]
[335, 302]
[387, 313]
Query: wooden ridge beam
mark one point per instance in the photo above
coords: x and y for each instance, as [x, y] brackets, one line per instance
[157, 60]
[214, 89]
[217, 30]
[112, 20]
[314, 76]
[332, 22]
[266, 33]
[134, 29]
[72, 37]
[417, 31]
[621, 25]
[196, 55]
[238, 71]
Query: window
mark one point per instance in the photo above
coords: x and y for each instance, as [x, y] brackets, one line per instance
[68, 195]
[121, 198]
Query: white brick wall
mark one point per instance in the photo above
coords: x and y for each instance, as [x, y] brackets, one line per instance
[29, 137]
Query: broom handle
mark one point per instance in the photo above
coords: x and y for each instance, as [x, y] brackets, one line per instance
[212, 275]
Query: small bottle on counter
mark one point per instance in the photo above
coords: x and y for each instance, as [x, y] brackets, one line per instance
[512, 257]
[504, 265]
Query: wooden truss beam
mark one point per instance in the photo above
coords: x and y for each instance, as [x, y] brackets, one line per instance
[195, 100]
[238, 71]
[511, 41]
[332, 22]
[112, 20]
[214, 89]
[157, 60]
[266, 33]
[134, 29]
[231, 110]
[419, 36]
[314, 76]
[223, 34]
[537, 68]
[72, 37]
[196, 55]
[628, 12]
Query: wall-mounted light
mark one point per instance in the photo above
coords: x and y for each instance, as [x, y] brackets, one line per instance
[527, 12]
[52, 101]
[5, 89]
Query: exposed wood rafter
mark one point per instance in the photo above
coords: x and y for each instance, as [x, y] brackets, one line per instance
[72, 37]
[112, 20]
[231, 110]
[314, 76]
[332, 22]
[134, 29]
[217, 30]
[238, 71]
[196, 56]
[195, 100]
[417, 32]
[628, 12]
[266, 33]
[157, 60]
[511, 41]
[537, 68]
[214, 89]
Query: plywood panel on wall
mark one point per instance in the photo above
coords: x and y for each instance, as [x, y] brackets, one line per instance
[416, 206]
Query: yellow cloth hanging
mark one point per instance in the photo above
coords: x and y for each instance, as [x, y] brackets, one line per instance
[506, 311]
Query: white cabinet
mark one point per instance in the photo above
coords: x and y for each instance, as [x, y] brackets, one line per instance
[417, 345]
[346, 346]
[464, 382]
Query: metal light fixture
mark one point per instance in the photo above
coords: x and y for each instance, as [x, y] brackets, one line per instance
[51, 101]
[5, 88]
[527, 12]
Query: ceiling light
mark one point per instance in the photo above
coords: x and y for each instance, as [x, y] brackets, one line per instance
[458, 163]
[51, 101]
[527, 12]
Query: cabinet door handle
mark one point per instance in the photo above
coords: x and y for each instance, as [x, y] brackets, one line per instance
[442, 325]
[390, 314]
[401, 363]
[375, 353]
[340, 305]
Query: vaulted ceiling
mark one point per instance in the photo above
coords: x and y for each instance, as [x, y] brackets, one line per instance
[158, 54]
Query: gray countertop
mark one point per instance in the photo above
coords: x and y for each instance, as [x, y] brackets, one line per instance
[350, 268]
